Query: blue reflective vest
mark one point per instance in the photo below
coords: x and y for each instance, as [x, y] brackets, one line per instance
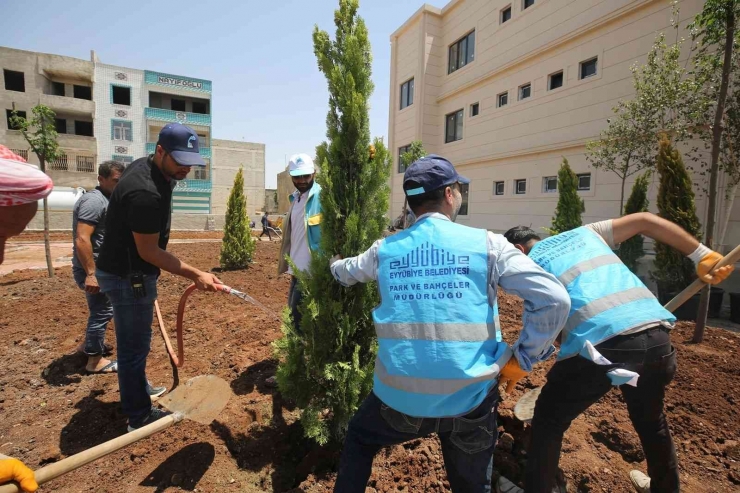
[439, 344]
[606, 298]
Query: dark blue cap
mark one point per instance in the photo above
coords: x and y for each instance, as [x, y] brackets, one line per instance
[431, 172]
[181, 142]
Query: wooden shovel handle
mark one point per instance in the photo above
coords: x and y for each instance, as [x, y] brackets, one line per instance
[693, 288]
[52, 471]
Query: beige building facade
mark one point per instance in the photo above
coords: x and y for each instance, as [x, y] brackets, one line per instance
[284, 189]
[505, 89]
[228, 157]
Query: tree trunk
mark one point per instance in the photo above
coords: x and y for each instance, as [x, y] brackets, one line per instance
[621, 197]
[727, 212]
[701, 319]
[47, 243]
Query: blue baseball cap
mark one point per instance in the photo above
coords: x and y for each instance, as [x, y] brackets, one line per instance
[430, 173]
[181, 142]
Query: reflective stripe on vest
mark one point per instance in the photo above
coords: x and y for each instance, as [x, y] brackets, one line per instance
[606, 298]
[439, 349]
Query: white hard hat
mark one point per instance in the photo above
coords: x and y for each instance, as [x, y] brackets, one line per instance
[301, 164]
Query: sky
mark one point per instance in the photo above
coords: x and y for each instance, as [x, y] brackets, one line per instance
[266, 84]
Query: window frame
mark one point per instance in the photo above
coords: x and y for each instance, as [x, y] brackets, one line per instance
[124, 160]
[546, 181]
[582, 64]
[498, 99]
[465, 205]
[520, 91]
[517, 182]
[113, 123]
[75, 94]
[468, 52]
[92, 128]
[113, 87]
[184, 104]
[561, 73]
[584, 175]
[495, 188]
[402, 150]
[205, 107]
[14, 73]
[458, 114]
[55, 85]
[57, 123]
[501, 14]
[525, 6]
[475, 109]
[409, 99]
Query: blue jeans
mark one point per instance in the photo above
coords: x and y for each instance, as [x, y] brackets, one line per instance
[101, 312]
[467, 443]
[133, 318]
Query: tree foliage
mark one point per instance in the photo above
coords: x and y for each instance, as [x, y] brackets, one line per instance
[237, 248]
[570, 204]
[673, 271]
[416, 151]
[632, 250]
[327, 367]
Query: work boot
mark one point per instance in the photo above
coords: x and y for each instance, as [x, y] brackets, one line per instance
[640, 481]
[154, 415]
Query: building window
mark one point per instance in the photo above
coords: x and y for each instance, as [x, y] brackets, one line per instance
[401, 151]
[121, 130]
[21, 152]
[83, 128]
[527, 3]
[502, 99]
[200, 173]
[505, 14]
[14, 81]
[86, 164]
[461, 52]
[177, 104]
[556, 80]
[57, 89]
[202, 140]
[9, 114]
[584, 181]
[474, 109]
[200, 107]
[588, 68]
[550, 184]
[407, 93]
[82, 92]
[60, 163]
[454, 126]
[155, 100]
[498, 188]
[123, 159]
[61, 125]
[465, 192]
[120, 95]
[520, 186]
[525, 91]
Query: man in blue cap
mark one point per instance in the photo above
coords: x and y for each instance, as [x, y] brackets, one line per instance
[133, 252]
[440, 351]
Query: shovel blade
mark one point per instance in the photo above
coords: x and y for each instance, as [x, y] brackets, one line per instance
[201, 398]
[524, 408]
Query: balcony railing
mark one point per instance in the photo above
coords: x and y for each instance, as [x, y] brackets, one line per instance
[151, 147]
[193, 186]
[185, 117]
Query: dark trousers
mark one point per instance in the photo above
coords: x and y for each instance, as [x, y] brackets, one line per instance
[575, 383]
[266, 231]
[467, 443]
[295, 296]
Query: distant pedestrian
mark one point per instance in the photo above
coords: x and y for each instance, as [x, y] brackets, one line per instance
[266, 226]
[88, 231]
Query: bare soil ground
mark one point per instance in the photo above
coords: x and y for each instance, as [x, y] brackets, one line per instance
[51, 409]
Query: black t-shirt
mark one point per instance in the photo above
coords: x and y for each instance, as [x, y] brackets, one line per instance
[140, 203]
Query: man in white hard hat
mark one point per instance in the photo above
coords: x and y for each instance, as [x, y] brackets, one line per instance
[301, 230]
[21, 187]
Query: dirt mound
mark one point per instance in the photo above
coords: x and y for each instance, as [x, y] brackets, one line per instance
[51, 409]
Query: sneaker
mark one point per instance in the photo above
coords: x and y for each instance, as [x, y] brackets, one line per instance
[154, 415]
[640, 481]
[155, 392]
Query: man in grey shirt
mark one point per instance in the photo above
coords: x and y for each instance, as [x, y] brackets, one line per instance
[88, 231]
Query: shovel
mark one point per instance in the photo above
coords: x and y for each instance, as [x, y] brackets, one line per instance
[200, 399]
[524, 408]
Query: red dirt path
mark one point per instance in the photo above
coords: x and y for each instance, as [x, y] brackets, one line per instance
[50, 409]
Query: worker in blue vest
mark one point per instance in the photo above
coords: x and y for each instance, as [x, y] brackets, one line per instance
[440, 352]
[616, 334]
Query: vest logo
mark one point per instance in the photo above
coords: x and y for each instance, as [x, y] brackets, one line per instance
[428, 255]
[190, 141]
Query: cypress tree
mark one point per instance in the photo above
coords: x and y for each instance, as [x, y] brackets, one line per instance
[237, 248]
[673, 271]
[328, 368]
[632, 250]
[570, 205]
